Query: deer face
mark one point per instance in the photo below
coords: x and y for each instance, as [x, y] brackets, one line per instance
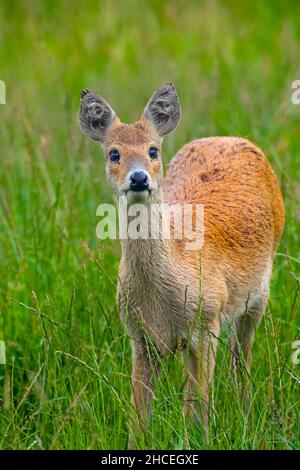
[132, 151]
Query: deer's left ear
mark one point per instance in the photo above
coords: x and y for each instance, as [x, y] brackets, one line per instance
[163, 109]
[95, 115]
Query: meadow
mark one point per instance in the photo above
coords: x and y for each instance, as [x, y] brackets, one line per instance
[66, 381]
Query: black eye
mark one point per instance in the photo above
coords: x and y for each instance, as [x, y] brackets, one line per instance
[114, 155]
[153, 152]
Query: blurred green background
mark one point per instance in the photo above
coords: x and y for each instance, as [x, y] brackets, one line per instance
[66, 382]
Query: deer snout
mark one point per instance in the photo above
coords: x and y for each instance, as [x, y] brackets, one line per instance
[139, 181]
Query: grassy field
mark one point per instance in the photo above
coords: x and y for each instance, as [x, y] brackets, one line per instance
[66, 382]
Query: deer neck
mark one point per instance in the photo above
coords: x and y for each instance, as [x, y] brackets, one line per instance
[144, 257]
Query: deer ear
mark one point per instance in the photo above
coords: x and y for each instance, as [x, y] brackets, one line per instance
[95, 115]
[163, 109]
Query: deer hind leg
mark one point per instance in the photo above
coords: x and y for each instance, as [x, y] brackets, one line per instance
[248, 322]
[144, 369]
[242, 341]
[201, 364]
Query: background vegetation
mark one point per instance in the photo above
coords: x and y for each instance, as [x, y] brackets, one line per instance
[66, 384]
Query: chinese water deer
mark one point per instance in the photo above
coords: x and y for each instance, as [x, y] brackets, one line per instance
[162, 284]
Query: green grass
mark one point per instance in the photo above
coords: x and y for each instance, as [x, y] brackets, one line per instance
[66, 384]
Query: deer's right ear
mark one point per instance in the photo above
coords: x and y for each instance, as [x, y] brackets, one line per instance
[95, 115]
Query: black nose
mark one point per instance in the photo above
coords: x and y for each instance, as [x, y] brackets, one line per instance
[139, 181]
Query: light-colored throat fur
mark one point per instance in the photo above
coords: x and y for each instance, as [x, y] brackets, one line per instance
[158, 293]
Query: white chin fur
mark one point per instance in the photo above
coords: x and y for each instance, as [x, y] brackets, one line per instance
[137, 196]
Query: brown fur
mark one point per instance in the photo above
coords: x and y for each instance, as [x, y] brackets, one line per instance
[170, 294]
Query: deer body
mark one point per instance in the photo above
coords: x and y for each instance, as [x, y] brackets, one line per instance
[162, 285]
[244, 218]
